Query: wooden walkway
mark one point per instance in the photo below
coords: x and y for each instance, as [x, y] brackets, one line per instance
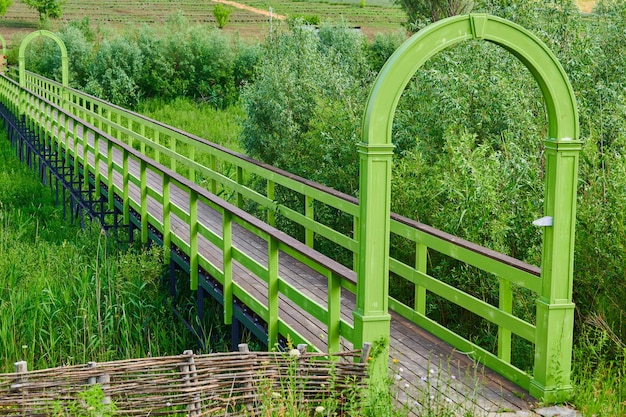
[424, 368]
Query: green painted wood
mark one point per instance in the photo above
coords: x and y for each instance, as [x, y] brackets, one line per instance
[227, 259]
[505, 301]
[125, 181]
[271, 213]
[250, 264]
[143, 190]
[421, 260]
[470, 303]
[316, 310]
[110, 183]
[309, 213]
[193, 240]
[334, 313]
[167, 218]
[272, 292]
[470, 257]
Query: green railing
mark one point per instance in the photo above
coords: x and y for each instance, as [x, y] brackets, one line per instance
[189, 155]
[98, 155]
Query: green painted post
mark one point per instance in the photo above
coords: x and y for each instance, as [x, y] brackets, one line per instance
[213, 168]
[271, 212]
[371, 317]
[75, 143]
[142, 133]
[309, 236]
[125, 182]
[355, 232]
[167, 219]
[143, 190]
[110, 183]
[240, 182]
[96, 162]
[504, 335]
[193, 240]
[85, 144]
[173, 149]
[157, 153]
[192, 156]
[553, 344]
[227, 254]
[555, 309]
[421, 257]
[334, 312]
[272, 292]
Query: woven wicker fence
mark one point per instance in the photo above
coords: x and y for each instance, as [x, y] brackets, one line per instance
[237, 383]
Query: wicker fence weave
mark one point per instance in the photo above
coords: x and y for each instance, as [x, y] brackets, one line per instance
[237, 383]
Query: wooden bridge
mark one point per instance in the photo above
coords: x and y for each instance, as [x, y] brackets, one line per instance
[189, 195]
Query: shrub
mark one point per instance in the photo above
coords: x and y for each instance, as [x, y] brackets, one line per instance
[116, 71]
[221, 14]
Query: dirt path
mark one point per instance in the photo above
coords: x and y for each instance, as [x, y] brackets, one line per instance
[251, 9]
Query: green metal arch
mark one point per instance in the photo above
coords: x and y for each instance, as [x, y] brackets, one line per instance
[402, 65]
[57, 39]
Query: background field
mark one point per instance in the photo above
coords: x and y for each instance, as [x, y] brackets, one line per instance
[377, 16]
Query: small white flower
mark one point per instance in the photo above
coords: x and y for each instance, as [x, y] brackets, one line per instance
[423, 378]
[453, 376]
[319, 409]
[168, 404]
[406, 386]
[276, 394]
[448, 400]
[398, 377]
[400, 370]
[432, 397]
[295, 353]
[432, 371]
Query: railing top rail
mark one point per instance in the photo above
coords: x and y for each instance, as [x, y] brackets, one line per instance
[329, 264]
[497, 256]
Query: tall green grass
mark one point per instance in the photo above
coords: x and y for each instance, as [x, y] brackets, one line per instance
[218, 126]
[69, 295]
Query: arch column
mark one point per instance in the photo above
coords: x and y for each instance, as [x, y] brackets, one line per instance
[555, 310]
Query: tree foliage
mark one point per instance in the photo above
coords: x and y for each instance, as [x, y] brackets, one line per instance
[221, 14]
[421, 12]
[4, 6]
[47, 9]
